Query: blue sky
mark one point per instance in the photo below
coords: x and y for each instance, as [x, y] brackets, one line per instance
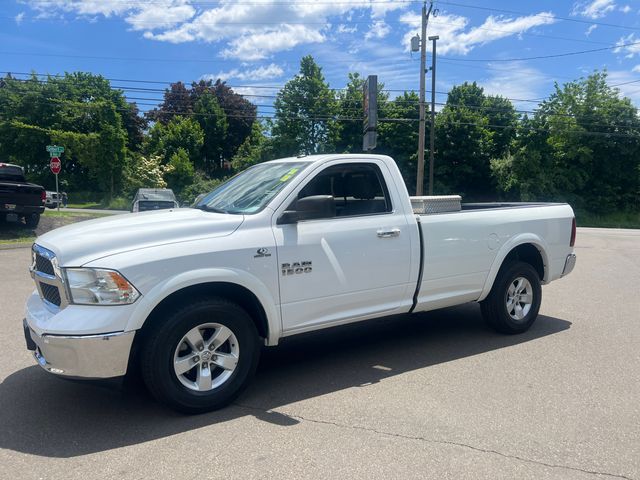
[254, 44]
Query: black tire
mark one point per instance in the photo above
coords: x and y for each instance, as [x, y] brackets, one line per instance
[495, 307]
[32, 220]
[160, 345]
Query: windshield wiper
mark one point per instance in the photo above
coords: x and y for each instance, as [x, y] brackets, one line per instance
[207, 208]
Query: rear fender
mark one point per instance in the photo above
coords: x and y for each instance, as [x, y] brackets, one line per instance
[504, 251]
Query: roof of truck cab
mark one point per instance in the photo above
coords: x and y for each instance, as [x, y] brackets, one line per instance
[326, 156]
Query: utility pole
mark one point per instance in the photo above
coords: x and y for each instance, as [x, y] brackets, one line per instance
[432, 133]
[423, 61]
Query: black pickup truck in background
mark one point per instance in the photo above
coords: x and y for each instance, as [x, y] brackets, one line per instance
[19, 198]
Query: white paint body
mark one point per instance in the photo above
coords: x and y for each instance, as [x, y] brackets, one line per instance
[356, 274]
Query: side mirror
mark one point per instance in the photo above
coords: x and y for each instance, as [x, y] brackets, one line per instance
[310, 208]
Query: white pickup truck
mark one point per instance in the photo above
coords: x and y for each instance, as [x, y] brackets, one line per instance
[190, 295]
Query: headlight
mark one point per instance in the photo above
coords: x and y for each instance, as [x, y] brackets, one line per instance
[93, 286]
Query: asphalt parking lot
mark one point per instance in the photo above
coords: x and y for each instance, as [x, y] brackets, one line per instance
[434, 395]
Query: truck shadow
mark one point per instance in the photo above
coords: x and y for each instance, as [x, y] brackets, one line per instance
[45, 416]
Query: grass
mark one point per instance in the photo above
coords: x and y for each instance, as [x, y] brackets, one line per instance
[608, 220]
[13, 233]
[85, 205]
[63, 213]
[16, 235]
[116, 203]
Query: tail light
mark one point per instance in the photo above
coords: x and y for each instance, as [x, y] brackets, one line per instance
[573, 232]
[43, 196]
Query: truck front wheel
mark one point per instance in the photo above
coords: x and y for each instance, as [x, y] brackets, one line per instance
[201, 357]
[514, 301]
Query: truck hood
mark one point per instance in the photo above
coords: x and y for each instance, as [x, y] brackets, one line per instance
[90, 240]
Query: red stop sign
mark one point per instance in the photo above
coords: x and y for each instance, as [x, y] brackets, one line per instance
[56, 165]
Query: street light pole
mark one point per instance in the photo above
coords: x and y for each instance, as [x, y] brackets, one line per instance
[423, 62]
[432, 134]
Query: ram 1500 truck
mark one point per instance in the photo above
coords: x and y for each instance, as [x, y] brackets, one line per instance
[18, 197]
[289, 246]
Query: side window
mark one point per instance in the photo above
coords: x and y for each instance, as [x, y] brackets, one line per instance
[357, 189]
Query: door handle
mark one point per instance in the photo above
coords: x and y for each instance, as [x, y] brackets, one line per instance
[394, 232]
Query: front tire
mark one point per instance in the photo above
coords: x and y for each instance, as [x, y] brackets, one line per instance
[514, 301]
[201, 357]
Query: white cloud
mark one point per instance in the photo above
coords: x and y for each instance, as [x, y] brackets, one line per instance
[160, 15]
[256, 46]
[636, 69]
[625, 9]
[590, 29]
[454, 38]
[249, 31]
[80, 7]
[264, 72]
[517, 81]
[342, 28]
[378, 29]
[629, 45]
[19, 18]
[630, 90]
[594, 8]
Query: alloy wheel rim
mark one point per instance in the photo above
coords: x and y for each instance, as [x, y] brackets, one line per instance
[519, 298]
[206, 357]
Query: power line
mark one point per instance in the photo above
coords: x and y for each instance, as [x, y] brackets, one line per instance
[339, 101]
[542, 57]
[232, 113]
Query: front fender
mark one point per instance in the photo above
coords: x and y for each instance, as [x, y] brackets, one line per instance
[167, 287]
[512, 243]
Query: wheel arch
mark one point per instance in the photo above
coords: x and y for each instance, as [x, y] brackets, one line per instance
[238, 287]
[528, 248]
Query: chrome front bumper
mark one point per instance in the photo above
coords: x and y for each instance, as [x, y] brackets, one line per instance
[84, 356]
[569, 263]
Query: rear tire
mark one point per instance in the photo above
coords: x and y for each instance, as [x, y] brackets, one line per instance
[32, 220]
[201, 357]
[514, 301]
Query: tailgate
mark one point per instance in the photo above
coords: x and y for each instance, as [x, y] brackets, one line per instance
[18, 194]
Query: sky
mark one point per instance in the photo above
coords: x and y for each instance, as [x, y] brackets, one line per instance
[256, 45]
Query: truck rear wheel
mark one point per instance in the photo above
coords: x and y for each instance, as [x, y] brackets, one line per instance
[514, 301]
[201, 357]
[32, 220]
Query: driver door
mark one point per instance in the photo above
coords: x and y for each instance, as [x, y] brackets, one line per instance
[350, 266]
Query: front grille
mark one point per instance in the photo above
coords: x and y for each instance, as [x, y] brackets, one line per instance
[44, 265]
[47, 275]
[50, 293]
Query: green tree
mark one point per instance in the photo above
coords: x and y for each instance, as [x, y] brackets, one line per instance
[464, 143]
[181, 172]
[144, 172]
[502, 123]
[241, 115]
[79, 111]
[213, 122]
[180, 133]
[582, 146]
[350, 110]
[305, 112]
[177, 102]
[398, 135]
[255, 149]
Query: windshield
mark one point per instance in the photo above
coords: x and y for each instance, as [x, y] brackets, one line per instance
[11, 174]
[250, 191]
[147, 194]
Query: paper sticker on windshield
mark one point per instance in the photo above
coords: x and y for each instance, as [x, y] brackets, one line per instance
[288, 175]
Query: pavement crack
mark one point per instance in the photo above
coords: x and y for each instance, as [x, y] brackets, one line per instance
[438, 442]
